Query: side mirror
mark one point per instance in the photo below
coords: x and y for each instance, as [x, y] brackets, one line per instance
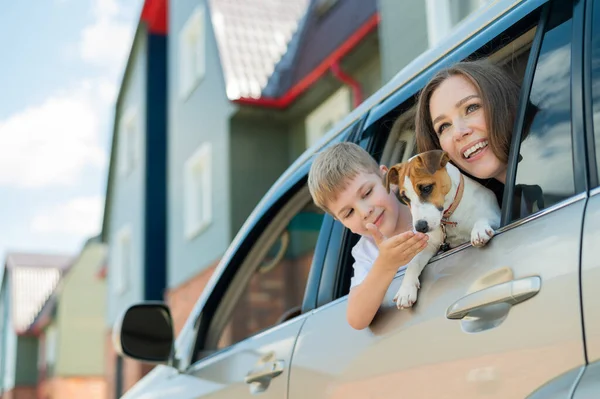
[145, 332]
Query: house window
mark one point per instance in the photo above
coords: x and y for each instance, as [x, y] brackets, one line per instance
[444, 15]
[124, 260]
[129, 137]
[191, 53]
[322, 119]
[197, 191]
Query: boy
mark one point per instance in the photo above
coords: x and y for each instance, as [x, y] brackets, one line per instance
[346, 182]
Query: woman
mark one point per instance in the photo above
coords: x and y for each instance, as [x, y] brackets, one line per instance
[469, 110]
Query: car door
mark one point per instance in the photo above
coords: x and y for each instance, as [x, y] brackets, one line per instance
[497, 322]
[589, 386]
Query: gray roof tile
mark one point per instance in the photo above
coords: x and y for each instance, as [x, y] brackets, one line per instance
[252, 37]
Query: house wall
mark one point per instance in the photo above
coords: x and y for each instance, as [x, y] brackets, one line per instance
[193, 120]
[74, 387]
[80, 318]
[127, 200]
[26, 365]
[368, 73]
[402, 33]
[131, 371]
[258, 157]
[21, 393]
[408, 28]
[364, 66]
[8, 339]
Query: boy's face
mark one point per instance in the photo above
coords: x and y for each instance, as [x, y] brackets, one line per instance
[366, 200]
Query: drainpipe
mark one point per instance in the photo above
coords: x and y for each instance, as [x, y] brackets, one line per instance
[357, 95]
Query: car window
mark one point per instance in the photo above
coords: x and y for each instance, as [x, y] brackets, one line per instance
[545, 167]
[595, 73]
[269, 286]
[390, 138]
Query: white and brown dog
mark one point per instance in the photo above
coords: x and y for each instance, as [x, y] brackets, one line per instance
[446, 205]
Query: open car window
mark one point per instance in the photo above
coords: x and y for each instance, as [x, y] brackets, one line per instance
[391, 138]
[269, 283]
[545, 174]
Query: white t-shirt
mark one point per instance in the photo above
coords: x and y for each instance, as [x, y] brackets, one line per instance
[364, 252]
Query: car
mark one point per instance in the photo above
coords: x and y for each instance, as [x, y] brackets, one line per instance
[516, 319]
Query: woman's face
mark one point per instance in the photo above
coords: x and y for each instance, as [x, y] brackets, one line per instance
[459, 121]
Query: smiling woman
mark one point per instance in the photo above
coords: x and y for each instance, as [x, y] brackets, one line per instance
[468, 110]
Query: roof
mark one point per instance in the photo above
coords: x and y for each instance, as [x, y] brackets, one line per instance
[33, 278]
[325, 33]
[315, 40]
[252, 37]
[22, 259]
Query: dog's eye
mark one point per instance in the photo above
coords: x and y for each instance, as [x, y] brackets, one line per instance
[427, 189]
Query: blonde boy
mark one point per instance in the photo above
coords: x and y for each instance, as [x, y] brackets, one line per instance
[346, 182]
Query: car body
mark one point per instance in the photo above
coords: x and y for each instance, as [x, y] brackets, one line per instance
[518, 318]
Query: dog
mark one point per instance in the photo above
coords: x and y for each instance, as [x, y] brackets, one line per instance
[448, 206]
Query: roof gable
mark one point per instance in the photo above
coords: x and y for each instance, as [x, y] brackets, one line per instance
[252, 37]
[33, 278]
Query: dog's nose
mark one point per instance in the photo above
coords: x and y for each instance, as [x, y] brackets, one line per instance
[421, 226]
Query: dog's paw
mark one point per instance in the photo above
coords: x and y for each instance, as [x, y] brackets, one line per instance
[481, 234]
[407, 294]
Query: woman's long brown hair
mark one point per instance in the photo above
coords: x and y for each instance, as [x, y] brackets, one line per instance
[499, 96]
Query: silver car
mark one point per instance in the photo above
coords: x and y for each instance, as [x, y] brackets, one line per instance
[518, 318]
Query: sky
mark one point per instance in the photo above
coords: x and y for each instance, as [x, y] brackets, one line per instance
[60, 72]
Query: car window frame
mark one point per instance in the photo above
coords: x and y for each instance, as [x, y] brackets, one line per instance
[223, 277]
[592, 133]
[578, 140]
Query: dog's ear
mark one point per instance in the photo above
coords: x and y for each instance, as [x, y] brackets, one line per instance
[393, 176]
[432, 161]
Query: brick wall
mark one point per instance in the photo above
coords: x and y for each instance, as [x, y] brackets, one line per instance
[181, 299]
[132, 370]
[21, 393]
[74, 387]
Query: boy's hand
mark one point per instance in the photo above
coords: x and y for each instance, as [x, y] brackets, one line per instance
[397, 250]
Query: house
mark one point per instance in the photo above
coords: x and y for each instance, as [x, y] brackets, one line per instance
[70, 327]
[134, 224]
[28, 280]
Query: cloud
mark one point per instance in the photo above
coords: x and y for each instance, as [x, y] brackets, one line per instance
[82, 216]
[51, 143]
[107, 40]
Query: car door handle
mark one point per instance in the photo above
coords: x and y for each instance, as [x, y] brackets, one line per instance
[265, 372]
[511, 292]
